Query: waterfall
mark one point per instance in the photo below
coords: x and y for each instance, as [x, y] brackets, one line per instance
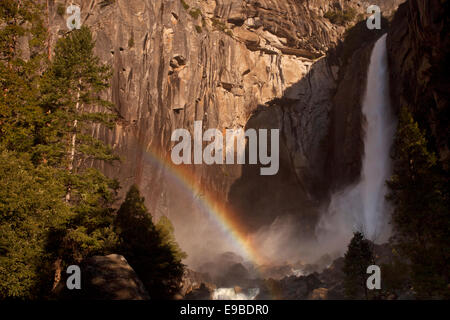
[362, 207]
[231, 294]
[379, 133]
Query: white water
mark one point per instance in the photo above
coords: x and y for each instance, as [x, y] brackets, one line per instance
[379, 136]
[231, 294]
[362, 207]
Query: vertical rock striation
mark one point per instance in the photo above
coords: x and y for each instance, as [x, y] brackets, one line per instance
[419, 51]
[231, 64]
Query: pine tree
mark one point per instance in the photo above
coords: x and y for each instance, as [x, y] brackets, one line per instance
[148, 252]
[358, 257]
[421, 217]
[20, 115]
[30, 196]
[46, 149]
[30, 206]
[167, 233]
[395, 276]
[71, 96]
[72, 87]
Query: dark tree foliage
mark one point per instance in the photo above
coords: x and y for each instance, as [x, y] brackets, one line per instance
[71, 98]
[421, 218]
[30, 205]
[20, 116]
[71, 90]
[55, 209]
[358, 257]
[30, 196]
[154, 256]
[167, 233]
[395, 278]
[42, 232]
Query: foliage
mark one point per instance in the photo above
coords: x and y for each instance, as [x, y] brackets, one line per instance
[71, 89]
[358, 257]
[61, 10]
[198, 29]
[37, 106]
[219, 25]
[167, 234]
[131, 42]
[341, 17]
[195, 13]
[55, 209]
[395, 276]
[30, 196]
[30, 205]
[89, 231]
[421, 218]
[105, 3]
[150, 250]
[19, 77]
[184, 4]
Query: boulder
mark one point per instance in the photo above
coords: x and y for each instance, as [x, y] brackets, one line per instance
[107, 278]
[318, 294]
[201, 293]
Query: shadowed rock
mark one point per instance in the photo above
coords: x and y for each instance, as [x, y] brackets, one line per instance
[107, 278]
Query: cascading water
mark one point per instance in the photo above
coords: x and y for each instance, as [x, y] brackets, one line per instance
[362, 207]
[378, 140]
[231, 294]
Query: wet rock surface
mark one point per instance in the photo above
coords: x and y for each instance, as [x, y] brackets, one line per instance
[307, 282]
[195, 284]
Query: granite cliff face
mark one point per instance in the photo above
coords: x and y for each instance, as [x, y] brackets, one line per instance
[345, 138]
[231, 64]
[419, 51]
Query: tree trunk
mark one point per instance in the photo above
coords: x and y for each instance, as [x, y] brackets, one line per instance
[49, 34]
[12, 44]
[74, 139]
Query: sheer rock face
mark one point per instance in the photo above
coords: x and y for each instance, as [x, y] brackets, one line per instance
[345, 139]
[231, 64]
[419, 49]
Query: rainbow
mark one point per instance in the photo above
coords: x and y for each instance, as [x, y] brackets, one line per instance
[224, 217]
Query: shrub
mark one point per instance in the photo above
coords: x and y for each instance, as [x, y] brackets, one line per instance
[61, 10]
[131, 42]
[106, 3]
[195, 13]
[219, 25]
[341, 17]
[184, 4]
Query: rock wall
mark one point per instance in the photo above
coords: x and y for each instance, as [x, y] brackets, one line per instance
[419, 51]
[345, 137]
[231, 64]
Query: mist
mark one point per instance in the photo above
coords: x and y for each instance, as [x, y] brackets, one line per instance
[358, 207]
[362, 206]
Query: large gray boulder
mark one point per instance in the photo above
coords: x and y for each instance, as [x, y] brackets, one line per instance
[107, 278]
